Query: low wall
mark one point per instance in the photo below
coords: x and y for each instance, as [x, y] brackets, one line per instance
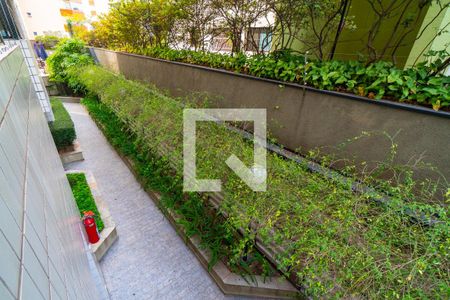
[302, 117]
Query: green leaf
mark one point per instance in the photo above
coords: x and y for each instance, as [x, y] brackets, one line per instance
[432, 91]
[340, 80]
[393, 87]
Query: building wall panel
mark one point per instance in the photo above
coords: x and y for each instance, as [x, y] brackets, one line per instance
[43, 255]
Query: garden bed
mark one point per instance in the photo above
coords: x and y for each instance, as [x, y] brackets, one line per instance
[71, 153]
[304, 118]
[196, 222]
[83, 197]
[64, 135]
[333, 238]
[379, 80]
[88, 198]
[62, 128]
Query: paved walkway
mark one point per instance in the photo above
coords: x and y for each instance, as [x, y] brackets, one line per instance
[149, 260]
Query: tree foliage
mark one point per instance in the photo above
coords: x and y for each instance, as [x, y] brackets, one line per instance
[194, 25]
[135, 24]
[313, 26]
[236, 16]
[68, 53]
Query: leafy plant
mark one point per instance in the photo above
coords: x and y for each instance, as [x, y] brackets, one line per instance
[196, 217]
[62, 128]
[379, 80]
[49, 41]
[335, 242]
[68, 53]
[135, 23]
[83, 197]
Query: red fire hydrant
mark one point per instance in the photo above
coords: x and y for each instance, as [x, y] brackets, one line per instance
[90, 227]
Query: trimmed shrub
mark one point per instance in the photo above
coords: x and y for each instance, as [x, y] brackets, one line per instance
[338, 244]
[62, 129]
[83, 197]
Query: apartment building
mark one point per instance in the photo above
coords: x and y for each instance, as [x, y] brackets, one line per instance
[49, 17]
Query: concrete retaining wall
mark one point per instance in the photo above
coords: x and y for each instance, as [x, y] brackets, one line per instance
[304, 118]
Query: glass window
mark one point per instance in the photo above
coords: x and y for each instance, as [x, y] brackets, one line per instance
[221, 43]
[258, 39]
[8, 28]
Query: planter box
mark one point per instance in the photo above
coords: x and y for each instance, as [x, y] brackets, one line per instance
[304, 117]
[69, 99]
[109, 233]
[71, 154]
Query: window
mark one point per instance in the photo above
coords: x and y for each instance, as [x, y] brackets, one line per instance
[66, 12]
[258, 39]
[221, 43]
[8, 27]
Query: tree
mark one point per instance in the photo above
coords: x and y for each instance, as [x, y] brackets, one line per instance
[314, 24]
[194, 24]
[288, 22]
[345, 4]
[322, 18]
[135, 24]
[164, 13]
[236, 16]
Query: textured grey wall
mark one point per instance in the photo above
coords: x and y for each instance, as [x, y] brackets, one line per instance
[41, 245]
[38, 84]
[304, 120]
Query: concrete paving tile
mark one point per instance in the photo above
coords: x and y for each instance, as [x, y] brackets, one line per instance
[149, 260]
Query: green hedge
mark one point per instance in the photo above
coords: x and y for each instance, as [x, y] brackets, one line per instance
[376, 81]
[49, 41]
[83, 197]
[337, 243]
[62, 128]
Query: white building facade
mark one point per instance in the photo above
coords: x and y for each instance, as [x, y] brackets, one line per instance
[49, 17]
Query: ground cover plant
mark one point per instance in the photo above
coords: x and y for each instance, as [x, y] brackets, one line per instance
[336, 243]
[62, 128]
[378, 80]
[83, 197]
[196, 217]
[68, 53]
